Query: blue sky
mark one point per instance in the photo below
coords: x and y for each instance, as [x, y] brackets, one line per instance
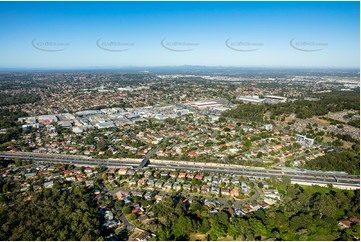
[91, 34]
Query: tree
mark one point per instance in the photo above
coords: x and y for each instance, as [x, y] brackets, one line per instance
[279, 220]
[259, 154]
[234, 230]
[182, 228]
[257, 227]
[101, 144]
[205, 226]
[324, 205]
[6, 187]
[126, 210]
[274, 181]
[132, 217]
[119, 204]
[218, 230]
[195, 206]
[222, 119]
[180, 209]
[104, 176]
[164, 235]
[302, 221]
[17, 161]
[260, 214]
[286, 181]
[222, 218]
[52, 215]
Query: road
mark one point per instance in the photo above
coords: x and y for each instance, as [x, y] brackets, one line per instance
[122, 217]
[317, 177]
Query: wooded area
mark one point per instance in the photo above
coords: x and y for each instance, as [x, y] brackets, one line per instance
[51, 215]
[347, 160]
[18, 98]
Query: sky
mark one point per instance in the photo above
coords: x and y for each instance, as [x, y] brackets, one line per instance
[121, 34]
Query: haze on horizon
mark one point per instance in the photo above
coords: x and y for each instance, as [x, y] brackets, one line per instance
[125, 34]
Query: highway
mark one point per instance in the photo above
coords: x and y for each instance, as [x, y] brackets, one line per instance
[317, 177]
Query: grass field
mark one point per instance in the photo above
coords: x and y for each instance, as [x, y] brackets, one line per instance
[322, 190]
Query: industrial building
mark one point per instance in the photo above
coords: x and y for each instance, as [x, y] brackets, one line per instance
[275, 99]
[88, 112]
[250, 99]
[46, 119]
[206, 104]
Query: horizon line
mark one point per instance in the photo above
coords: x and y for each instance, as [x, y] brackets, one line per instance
[175, 66]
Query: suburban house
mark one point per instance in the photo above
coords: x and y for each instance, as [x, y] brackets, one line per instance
[205, 189]
[199, 177]
[122, 171]
[158, 184]
[344, 223]
[182, 175]
[122, 194]
[148, 173]
[131, 172]
[132, 182]
[88, 170]
[89, 183]
[142, 181]
[235, 192]
[177, 186]
[187, 187]
[225, 191]
[215, 190]
[190, 175]
[164, 174]
[148, 196]
[235, 181]
[150, 183]
[48, 184]
[137, 193]
[168, 185]
[173, 174]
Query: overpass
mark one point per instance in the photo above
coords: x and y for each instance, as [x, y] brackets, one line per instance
[146, 160]
[143, 163]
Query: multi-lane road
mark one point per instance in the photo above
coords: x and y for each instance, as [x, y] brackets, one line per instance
[311, 177]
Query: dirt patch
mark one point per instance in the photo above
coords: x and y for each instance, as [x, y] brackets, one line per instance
[227, 238]
[289, 119]
[322, 121]
[198, 236]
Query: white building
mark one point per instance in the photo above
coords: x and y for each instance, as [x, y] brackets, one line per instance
[45, 119]
[105, 125]
[268, 127]
[275, 99]
[304, 140]
[250, 99]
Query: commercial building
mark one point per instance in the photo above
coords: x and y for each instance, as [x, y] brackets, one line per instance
[275, 99]
[88, 112]
[45, 119]
[206, 104]
[104, 125]
[250, 99]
